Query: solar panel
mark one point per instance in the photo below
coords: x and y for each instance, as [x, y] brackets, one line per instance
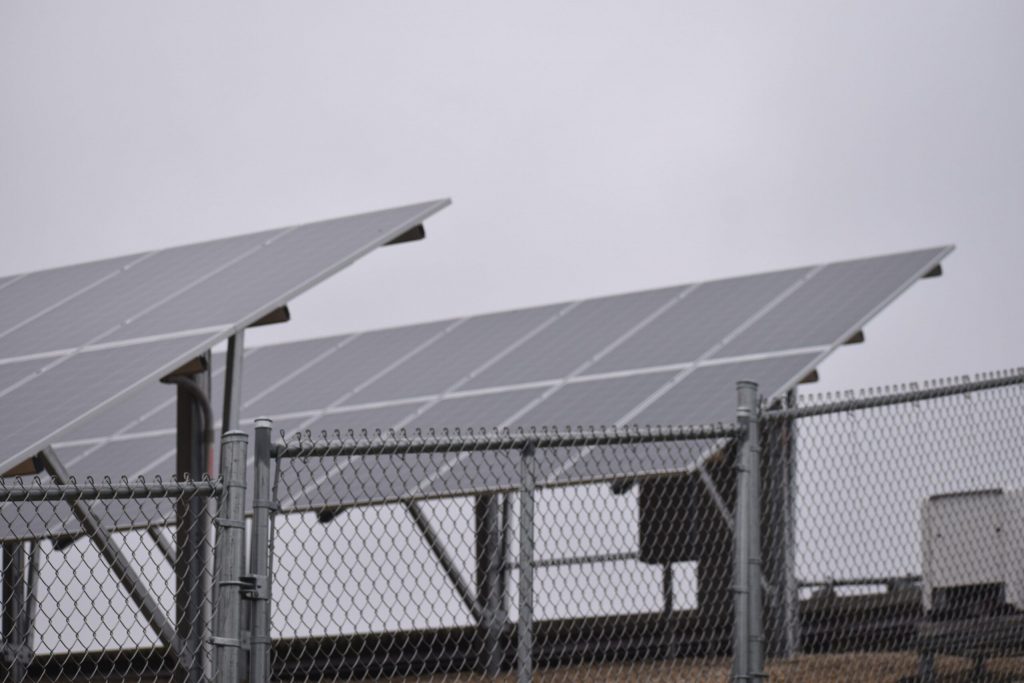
[669, 356]
[76, 339]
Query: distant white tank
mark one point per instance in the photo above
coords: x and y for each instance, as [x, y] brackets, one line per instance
[972, 547]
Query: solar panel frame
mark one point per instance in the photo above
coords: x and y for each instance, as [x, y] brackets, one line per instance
[380, 228]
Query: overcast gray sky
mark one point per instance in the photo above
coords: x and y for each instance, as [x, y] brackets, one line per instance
[590, 148]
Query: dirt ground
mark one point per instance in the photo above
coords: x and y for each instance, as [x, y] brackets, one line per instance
[868, 667]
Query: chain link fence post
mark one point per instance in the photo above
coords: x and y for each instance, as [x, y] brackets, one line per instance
[229, 558]
[524, 663]
[752, 453]
[746, 398]
[259, 556]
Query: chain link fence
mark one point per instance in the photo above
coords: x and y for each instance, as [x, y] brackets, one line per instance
[88, 569]
[876, 536]
[376, 579]
[908, 535]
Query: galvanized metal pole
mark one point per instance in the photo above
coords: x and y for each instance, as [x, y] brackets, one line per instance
[191, 561]
[527, 485]
[230, 411]
[233, 382]
[746, 400]
[229, 557]
[259, 556]
[752, 450]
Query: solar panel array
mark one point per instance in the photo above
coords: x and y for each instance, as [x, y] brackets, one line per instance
[74, 340]
[667, 356]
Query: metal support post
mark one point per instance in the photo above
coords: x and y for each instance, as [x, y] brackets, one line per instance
[16, 653]
[748, 643]
[778, 509]
[487, 515]
[229, 557]
[752, 451]
[527, 485]
[230, 410]
[132, 583]
[747, 397]
[191, 561]
[259, 557]
[451, 569]
[233, 382]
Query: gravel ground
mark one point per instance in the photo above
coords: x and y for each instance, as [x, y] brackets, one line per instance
[868, 667]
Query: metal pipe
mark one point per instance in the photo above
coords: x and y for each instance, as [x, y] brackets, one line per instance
[866, 581]
[580, 560]
[752, 451]
[233, 382]
[445, 443]
[524, 646]
[89, 491]
[487, 511]
[196, 393]
[192, 559]
[894, 399]
[741, 531]
[259, 556]
[778, 520]
[148, 606]
[451, 570]
[229, 557]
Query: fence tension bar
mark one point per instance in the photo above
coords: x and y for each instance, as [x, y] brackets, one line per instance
[111, 552]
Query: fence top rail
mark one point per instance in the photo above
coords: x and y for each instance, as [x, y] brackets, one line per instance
[894, 396]
[19, 490]
[402, 443]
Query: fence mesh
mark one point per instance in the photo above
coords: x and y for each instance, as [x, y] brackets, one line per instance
[428, 588]
[89, 580]
[890, 527]
[909, 532]
[875, 563]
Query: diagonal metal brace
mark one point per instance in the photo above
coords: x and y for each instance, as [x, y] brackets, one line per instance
[448, 564]
[111, 552]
